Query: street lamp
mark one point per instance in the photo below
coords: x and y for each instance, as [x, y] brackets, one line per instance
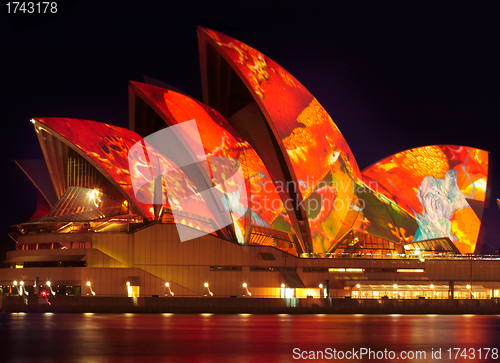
[167, 285]
[130, 291]
[283, 291]
[90, 287]
[469, 287]
[321, 292]
[208, 288]
[246, 288]
[431, 286]
[50, 288]
[357, 293]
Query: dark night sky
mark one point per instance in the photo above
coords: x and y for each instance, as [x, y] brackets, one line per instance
[391, 75]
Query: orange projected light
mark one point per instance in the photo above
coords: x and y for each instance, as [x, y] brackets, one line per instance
[315, 150]
[107, 148]
[422, 193]
[442, 186]
[219, 139]
[105, 145]
[292, 167]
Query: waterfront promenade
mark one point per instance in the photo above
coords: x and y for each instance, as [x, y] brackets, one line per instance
[97, 304]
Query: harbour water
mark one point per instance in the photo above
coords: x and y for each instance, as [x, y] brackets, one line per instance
[88, 337]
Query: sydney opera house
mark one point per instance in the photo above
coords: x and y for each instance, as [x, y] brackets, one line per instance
[253, 192]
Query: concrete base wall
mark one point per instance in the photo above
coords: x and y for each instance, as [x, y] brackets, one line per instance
[96, 304]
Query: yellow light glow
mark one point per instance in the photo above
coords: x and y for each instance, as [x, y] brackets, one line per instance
[48, 283]
[320, 286]
[307, 292]
[431, 286]
[128, 283]
[480, 183]
[395, 286]
[15, 283]
[88, 283]
[282, 285]
[410, 270]
[167, 284]
[358, 286]
[206, 284]
[346, 270]
[21, 283]
[94, 195]
[244, 284]
[468, 286]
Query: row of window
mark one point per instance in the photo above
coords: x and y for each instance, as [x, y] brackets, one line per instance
[367, 241]
[350, 269]
[421, 294]
[319, 269]
[54, 246]
[59, 290]
[225, 268]
[252, 268]
[29, 264]
[434, 245]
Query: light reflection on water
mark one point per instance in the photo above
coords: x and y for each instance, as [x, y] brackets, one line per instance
[233, 338]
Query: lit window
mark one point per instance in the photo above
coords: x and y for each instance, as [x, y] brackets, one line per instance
[346, 270]
[410, 270]
[287, 293]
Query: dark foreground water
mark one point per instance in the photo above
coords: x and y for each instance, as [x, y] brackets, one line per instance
[247, 338]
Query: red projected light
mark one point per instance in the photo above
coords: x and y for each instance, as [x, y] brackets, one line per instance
[220, 139]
